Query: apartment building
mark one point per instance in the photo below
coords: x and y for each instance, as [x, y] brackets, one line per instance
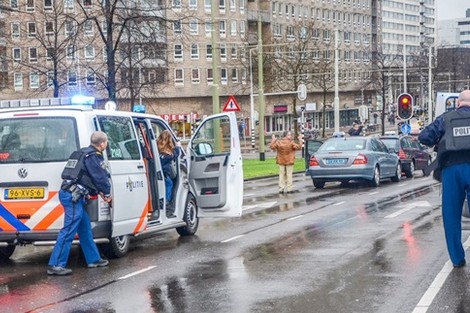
[455, 32]
[166, 55]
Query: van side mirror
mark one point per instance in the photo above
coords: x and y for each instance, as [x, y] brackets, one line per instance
[203, 148]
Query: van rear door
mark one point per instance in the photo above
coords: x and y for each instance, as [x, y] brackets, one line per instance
[215, 167]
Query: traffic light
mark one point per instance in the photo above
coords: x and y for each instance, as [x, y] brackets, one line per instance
[405, 106]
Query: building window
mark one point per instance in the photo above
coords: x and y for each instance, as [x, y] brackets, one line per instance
[233, 27]
[193, 27]
[221, 4]
[69, 28]
[232, 5]
[50, 79]
[195, 77]
[242, 27]
[223, 51]
[234, 75]
[176, 4]
[179, 76]
[34, 80]
[234, 51]
[48, 5]
[15, 30]
[90, 78]
[87, 3]
[177, 27]
[209, 51]
[193, 4]
[88, 27]
[71, 52]
[244, 75]
[89, 53]
[49, 53]
[72, 78]
[68, 4]
[194, 51]
[18, 81]
[14, 4]
[207, 4]
[222, 29]
[242, 5]
[30, 5]
[223, 76]
[17, 55]
[31, 29]
[210, 76]
[208, 28]
[178, 52]
[33, 55]
[49, 28]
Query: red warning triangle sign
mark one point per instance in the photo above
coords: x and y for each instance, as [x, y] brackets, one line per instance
[231, 105]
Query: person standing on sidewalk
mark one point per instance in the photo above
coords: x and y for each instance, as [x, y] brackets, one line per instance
[83, 175]
[285, 158]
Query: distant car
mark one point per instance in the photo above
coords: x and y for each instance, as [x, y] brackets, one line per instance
[413, 156]
[353, 158]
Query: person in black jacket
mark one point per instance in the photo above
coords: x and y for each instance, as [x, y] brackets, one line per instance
[355, 130]
[84, 175]
[451, 133]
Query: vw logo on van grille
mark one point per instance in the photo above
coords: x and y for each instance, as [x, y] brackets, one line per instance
[22, 173]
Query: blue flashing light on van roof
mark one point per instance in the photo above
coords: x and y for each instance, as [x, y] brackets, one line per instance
[86, 100]
[138, 108]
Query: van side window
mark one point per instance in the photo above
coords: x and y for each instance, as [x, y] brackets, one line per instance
[213, 137]
[122, 141]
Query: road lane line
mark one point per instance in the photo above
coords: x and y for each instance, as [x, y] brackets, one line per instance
[408, 207]
[339, 203]
[436, 285]
[294, 217]
[136, 273]
[233, 238]
[399, 212]
[402, 184]
[373, 193]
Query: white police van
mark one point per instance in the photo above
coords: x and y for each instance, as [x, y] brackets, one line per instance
[38, 136]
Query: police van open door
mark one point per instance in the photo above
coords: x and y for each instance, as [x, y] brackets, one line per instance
[215, 167]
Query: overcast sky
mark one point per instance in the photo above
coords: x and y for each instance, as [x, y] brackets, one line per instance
[450, 9]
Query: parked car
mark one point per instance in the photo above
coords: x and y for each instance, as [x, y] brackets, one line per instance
[413, 156]
[311, 146]
[353, 158]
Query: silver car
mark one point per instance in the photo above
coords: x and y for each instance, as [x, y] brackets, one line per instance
[353, 158]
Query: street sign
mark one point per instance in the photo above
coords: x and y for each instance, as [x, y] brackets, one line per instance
[405, 128]
[302, 92]
[231, 105]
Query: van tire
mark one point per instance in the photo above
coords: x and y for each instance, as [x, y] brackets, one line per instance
[190, 217]
[6, 252]
[117, 247]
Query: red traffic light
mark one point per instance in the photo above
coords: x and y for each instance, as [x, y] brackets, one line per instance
[405, 106]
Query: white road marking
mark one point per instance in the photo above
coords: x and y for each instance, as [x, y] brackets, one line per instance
[233, 238]
[402, 184]
[260, 205]
[248, 194]
[408, 207]
[373, 193]
[339, 203]
[137, 272]
[436, 285]
[294, 217]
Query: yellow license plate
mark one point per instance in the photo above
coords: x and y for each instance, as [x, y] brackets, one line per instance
[24, 193]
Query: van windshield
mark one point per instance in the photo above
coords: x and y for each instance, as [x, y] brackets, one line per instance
[37, 139]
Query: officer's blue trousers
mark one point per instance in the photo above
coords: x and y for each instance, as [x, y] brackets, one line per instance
[168, 188]
[76, 220]
[455, 187]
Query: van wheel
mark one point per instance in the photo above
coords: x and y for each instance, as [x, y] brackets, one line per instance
[6, 252]
[190, 217]
[117, 247]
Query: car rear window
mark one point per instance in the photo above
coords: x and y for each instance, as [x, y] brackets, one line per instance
[343, 145]
[38, 139]
[390, 143]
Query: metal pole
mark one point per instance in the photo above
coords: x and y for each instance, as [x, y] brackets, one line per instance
[430, 106]
[252, 104]
[215, 60]
[262, 147]
[404, 51]
[336, 100]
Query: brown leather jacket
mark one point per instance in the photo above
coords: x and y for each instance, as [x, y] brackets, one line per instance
[285, 150]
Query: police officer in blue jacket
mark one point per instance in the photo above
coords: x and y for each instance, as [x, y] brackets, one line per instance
[451, 133]
[83, 175]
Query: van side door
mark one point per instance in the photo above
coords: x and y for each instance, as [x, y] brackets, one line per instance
[129, 182]
[215, 167]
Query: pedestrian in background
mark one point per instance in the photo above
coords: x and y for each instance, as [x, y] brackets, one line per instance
[84, 175]
[450, 132]
[285, 158]
[355, 130]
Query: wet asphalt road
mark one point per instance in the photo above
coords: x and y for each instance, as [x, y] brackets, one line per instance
[340, 249]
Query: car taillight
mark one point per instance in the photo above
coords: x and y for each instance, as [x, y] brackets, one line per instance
[401, 154]
[313, 161]
[360, 159]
